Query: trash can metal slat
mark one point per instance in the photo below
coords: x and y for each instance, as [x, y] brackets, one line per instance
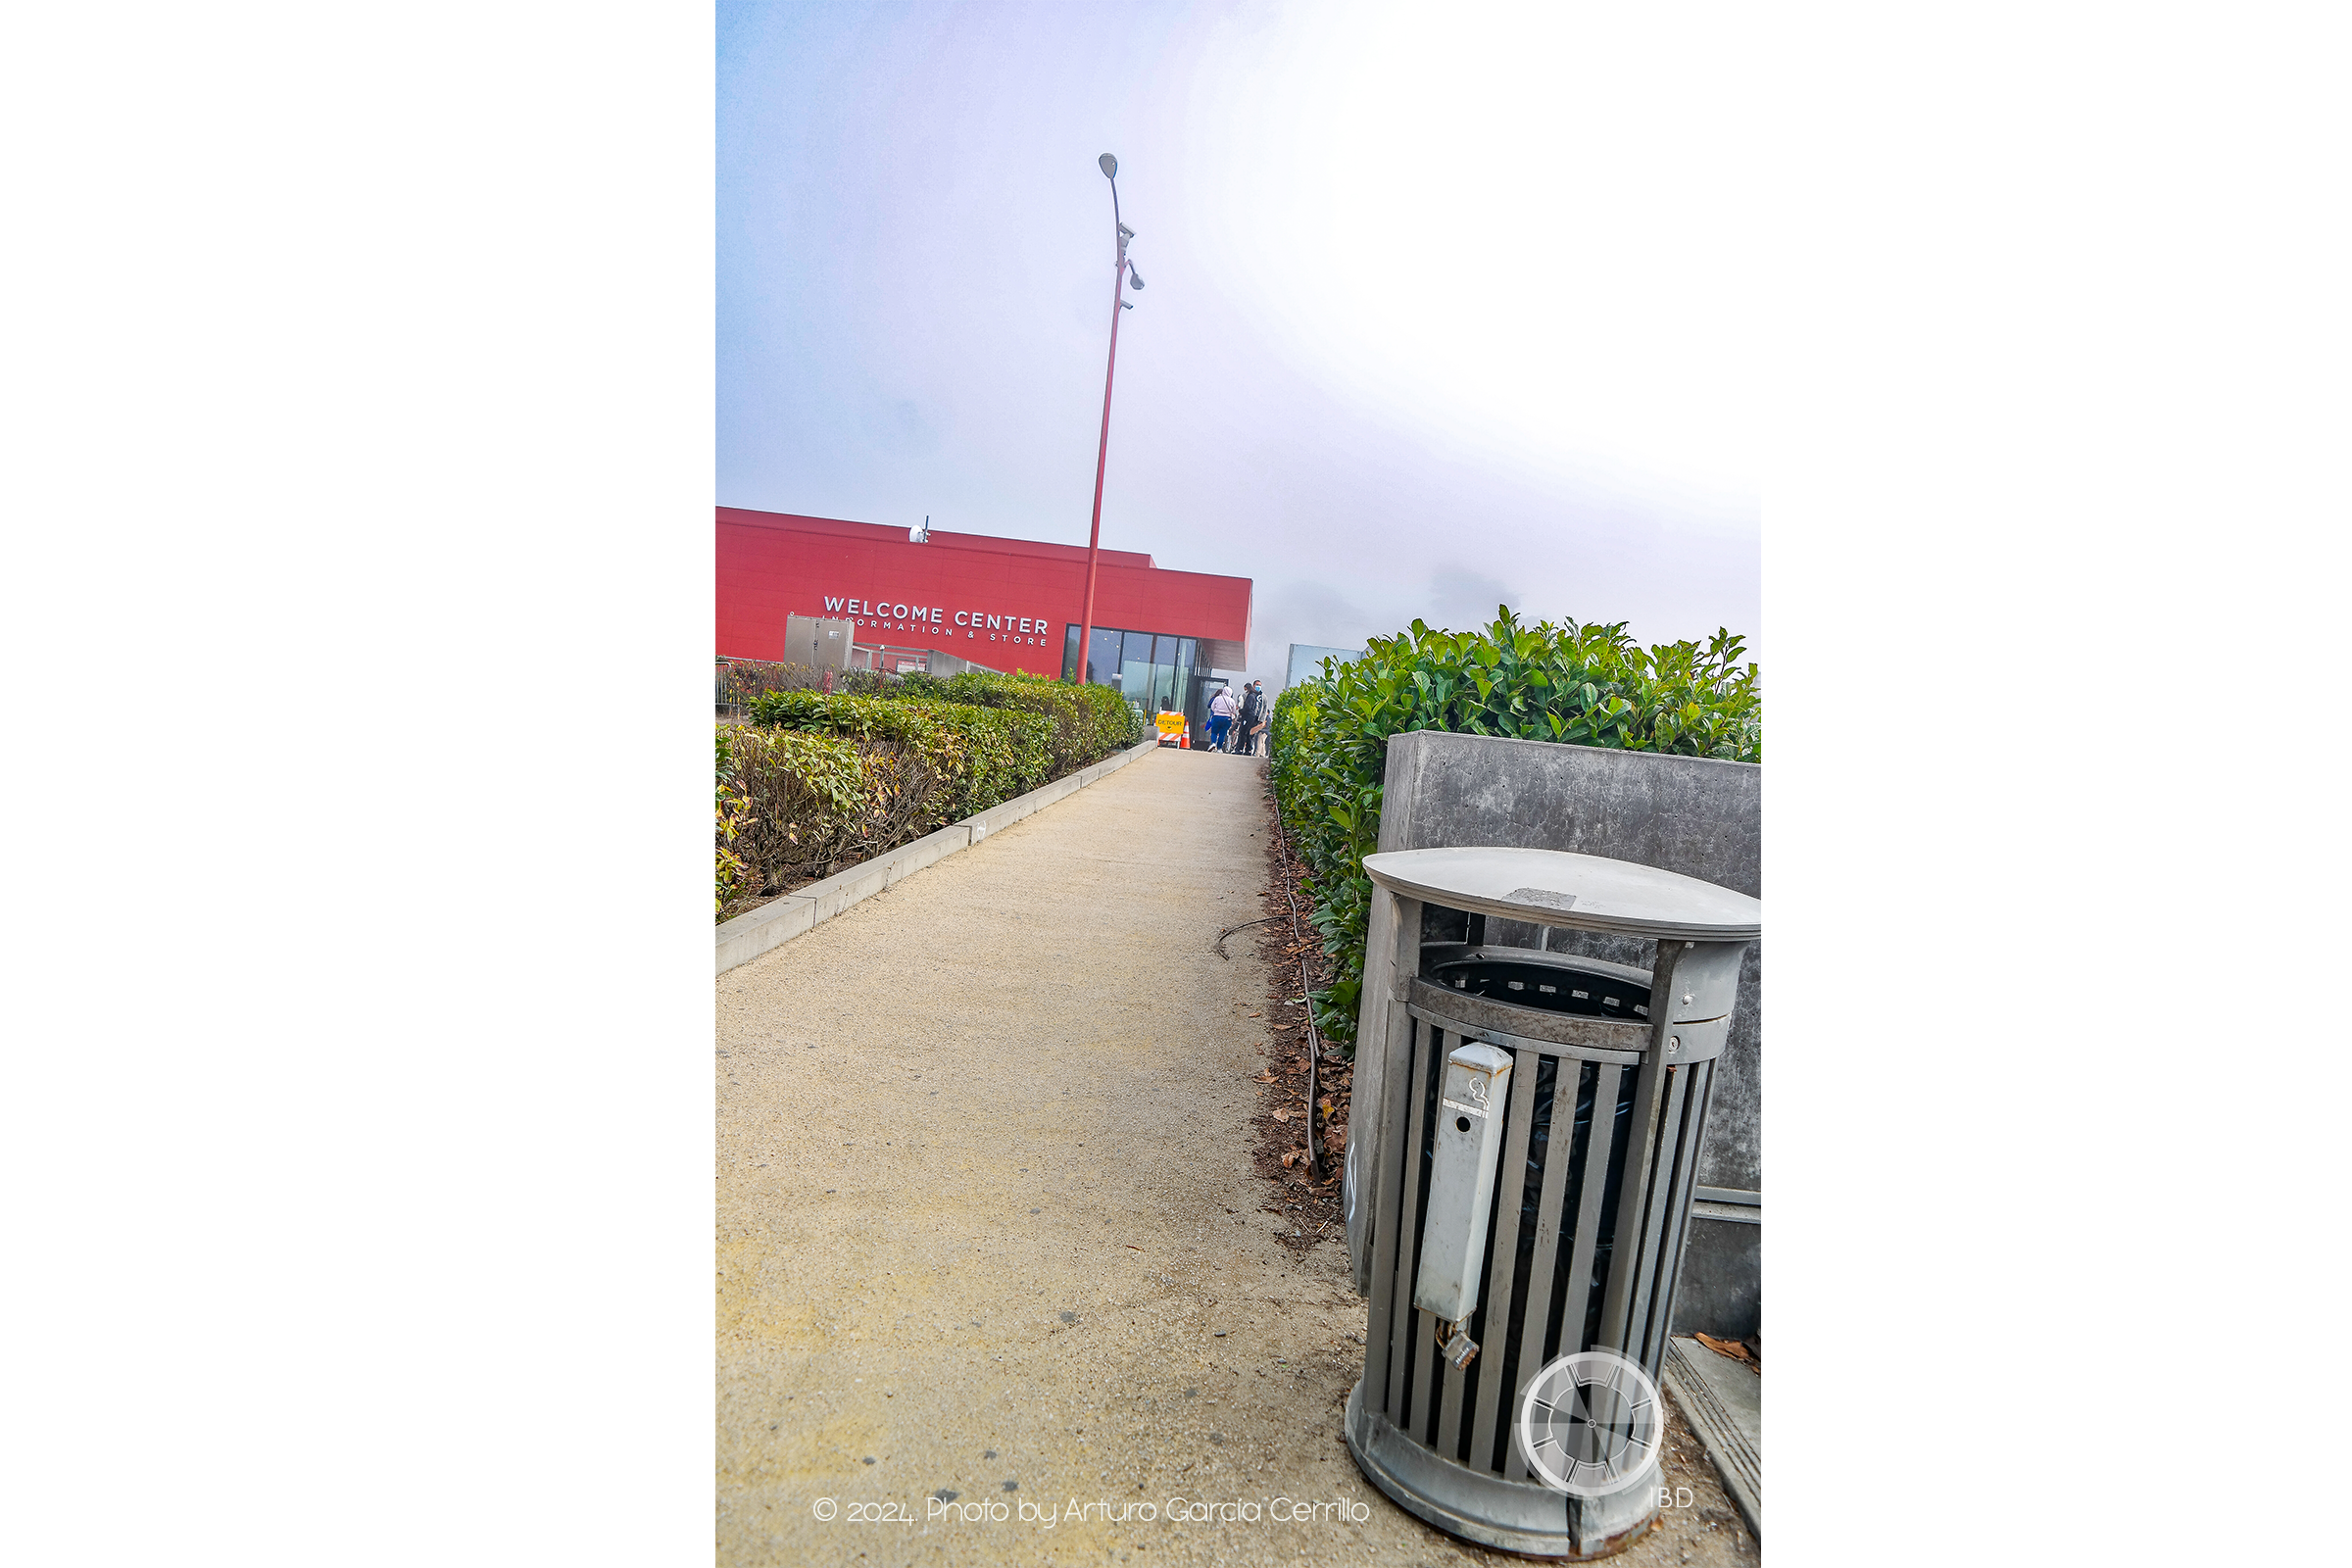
[1424, 1410]
[1599, 1150]
[1408, 1241]
[1654, 1199]
[1678, 1213]
[1552, 1028]
[1502, 1270]
[1393, 934]
[1383, 1197]
[1650, 1094]
[1556, 1150]
[1477, 1018]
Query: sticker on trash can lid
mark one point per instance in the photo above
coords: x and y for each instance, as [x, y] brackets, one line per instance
[1590, 1424]
[1545, 897]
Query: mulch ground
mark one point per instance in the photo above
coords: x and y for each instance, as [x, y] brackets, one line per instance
[1309, 1197]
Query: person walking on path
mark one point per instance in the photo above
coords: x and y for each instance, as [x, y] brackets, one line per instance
[1254, 718]
[1220, 717]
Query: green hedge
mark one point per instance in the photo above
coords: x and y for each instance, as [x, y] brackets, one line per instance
[794, 806]
[1580, 685]
[982, 757]
[743, 679]
[814, 783]
[1089, 723]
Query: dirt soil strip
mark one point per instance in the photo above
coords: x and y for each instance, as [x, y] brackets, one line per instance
[1285, 1121]
[997, 1279]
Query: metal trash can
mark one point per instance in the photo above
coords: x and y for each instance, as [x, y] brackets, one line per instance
[1520, 1158]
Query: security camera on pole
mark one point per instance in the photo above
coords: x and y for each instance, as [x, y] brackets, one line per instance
[1125, 276]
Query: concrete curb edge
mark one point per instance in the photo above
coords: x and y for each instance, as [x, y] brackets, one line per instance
[778, 921]
[1737, 1463]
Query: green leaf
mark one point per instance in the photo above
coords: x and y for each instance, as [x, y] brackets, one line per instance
[1330, 733]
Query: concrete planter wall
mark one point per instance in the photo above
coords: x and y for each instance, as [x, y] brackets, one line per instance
[1689, 815]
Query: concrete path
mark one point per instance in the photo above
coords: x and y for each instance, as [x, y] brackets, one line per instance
[996, 1281]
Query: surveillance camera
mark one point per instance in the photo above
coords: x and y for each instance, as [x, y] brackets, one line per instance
[1125, 232]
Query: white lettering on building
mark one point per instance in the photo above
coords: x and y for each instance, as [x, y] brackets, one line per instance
[883, 616]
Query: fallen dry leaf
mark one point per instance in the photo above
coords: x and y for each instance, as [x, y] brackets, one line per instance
[1132, 1247]
[1281, 1114]
[1731, 1348]
[1265, 1077]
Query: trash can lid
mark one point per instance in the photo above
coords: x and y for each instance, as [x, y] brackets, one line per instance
[1582, 892]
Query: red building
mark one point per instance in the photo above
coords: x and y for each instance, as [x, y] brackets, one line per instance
[1007, 604]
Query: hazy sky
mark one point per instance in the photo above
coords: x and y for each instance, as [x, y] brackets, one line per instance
[1444, 308]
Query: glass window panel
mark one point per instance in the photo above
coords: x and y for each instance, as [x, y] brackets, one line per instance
[1135, 669]
[1186, 698]
[1102, 659]
[1069, 651]
[1163, 675]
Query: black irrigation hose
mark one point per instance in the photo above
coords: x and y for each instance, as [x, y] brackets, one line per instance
[1219, 945]
[1314, 1043]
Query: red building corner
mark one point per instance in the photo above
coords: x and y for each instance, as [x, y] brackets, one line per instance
[1009, 605]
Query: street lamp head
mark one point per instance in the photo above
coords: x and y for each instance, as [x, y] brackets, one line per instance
[1135, 280]
[1110, 166]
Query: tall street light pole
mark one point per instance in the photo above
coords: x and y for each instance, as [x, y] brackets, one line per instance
[1122, 275]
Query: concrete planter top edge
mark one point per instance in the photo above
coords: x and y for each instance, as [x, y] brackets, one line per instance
[752, 920]
[1616, 750]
